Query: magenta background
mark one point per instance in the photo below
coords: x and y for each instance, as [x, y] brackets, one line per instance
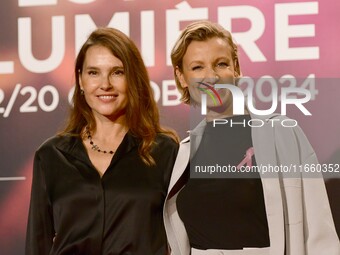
[22, 133]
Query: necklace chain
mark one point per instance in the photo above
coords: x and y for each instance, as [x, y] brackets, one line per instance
[93, 145]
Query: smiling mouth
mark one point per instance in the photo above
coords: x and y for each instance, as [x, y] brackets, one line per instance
[107, 97]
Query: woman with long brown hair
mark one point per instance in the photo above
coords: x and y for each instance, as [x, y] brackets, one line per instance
[99, 186]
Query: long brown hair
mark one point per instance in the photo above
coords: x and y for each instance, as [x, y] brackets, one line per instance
[200, 31]
[142, 114]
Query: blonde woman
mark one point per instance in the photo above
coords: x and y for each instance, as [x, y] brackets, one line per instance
[252, 215]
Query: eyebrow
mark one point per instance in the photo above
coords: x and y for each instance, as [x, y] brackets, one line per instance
[98, 68]
[91, 67]
[195, 62]
[226, 58]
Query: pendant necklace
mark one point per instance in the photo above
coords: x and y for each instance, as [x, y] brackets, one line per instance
[93, 145]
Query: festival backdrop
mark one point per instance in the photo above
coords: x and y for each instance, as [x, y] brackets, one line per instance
[293, 41]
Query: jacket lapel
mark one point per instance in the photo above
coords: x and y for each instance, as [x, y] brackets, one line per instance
[196, 137]
[180, 163]
[265, 154]
[187, 150]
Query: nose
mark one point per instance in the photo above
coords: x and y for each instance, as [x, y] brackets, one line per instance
[211, 77]
[106, 83]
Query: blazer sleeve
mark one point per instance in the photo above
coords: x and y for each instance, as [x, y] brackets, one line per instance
[320, 234]
[40, 230]
[309, 226]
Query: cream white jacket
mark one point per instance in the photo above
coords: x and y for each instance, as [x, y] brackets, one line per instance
[298, 212]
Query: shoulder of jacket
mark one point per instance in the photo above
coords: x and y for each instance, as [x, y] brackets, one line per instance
[185, 140]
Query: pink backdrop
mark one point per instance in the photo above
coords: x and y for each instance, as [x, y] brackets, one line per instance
[38, 44]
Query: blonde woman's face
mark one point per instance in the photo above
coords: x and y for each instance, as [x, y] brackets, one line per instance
[205, 64]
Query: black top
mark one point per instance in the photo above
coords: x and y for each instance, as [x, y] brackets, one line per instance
[224, 213]
[120, 213]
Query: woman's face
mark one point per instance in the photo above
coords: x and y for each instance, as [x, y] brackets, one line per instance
[104, 83]
[205, 64]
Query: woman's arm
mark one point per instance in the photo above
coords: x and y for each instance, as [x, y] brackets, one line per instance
[40, 229]
[320, 234]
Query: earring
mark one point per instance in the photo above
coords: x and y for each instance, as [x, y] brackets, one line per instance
[81, 92]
